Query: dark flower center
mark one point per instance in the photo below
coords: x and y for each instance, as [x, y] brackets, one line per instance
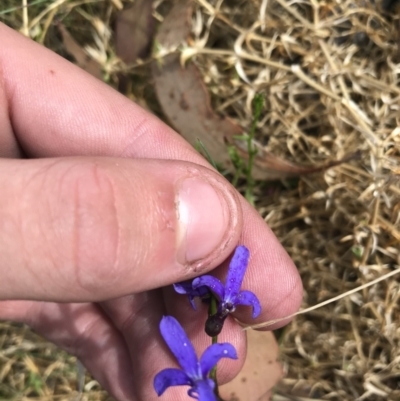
[214, 325]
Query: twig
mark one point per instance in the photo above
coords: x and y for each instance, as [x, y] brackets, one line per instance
[329, 301]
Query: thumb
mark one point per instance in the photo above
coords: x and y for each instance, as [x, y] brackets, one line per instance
[90, 229]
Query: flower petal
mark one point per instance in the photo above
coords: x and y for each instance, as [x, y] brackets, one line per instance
[202, 292]
[212, 283]
[170, 377]
[203, 390]
[191, 300]
[184, 287]
[180, 345]
[213, 354]
[236, 271]
[248, 298]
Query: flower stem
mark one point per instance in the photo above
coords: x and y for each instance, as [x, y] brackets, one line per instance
[258, 103]
[212, 310]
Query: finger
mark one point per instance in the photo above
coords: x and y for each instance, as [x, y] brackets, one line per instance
[94, 229]
[77, 115]
[137, 318]
[82, 330]
[271, 274]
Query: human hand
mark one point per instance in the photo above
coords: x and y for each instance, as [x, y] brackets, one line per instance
[90, 240]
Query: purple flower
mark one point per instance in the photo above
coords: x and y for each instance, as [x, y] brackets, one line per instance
[185, 287]
[193, 372]
[229, 295]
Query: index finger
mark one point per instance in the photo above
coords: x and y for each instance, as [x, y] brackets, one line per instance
[52, 108]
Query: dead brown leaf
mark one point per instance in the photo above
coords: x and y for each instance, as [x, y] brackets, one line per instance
[186, 103]
[82, 59]
[184, 100]
[181, 91]
[134, 30]
[271, 167]
[260, 373]
[176, 26]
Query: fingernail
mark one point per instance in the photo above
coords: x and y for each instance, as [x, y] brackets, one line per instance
[203, 217]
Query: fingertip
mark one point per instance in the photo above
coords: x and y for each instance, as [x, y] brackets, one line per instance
[271, 275]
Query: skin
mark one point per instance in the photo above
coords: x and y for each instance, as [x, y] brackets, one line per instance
[89, 232]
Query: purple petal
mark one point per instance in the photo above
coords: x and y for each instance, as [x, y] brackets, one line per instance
[213, 354]
[248, 298]
[184, 287]
[170, 377]
[191, 300]
[203, 390]
[236, 271]
[212, 283]
[202, 291]
[179, 344]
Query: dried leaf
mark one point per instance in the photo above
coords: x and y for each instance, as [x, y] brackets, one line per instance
[134, 30]
[176, 27]
[260, 373]
[182, 94]
[271, 167]
[184, 100]
[82, 58]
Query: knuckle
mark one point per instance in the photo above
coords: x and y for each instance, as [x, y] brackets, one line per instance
[78, 345]
[94, 222]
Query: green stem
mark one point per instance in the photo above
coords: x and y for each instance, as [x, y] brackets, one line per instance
[236, 177]
[258, 105]
[212, 310]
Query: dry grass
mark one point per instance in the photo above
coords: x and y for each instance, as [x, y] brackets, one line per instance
[330, 74]
[33, 369]
[327, 95]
